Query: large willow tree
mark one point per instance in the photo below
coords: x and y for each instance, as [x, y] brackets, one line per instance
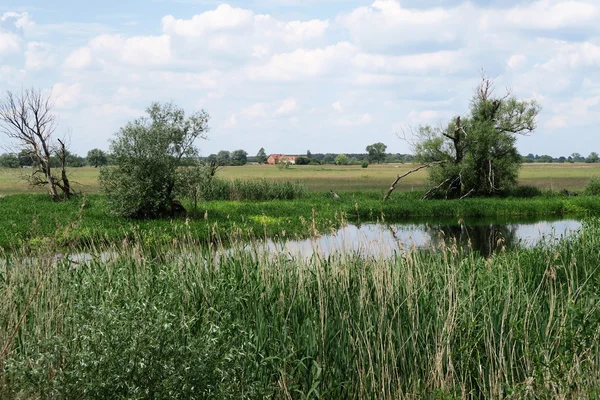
[476, 154]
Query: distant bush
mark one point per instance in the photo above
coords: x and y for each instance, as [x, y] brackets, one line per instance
[525, 191]
[364, 164]
[302, 161]
[593, 187]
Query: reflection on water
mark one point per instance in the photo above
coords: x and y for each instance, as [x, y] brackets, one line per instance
[386, 239]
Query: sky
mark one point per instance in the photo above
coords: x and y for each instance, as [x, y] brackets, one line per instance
[297, 75]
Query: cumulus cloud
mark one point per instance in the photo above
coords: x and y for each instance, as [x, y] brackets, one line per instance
[360, 120]
[38, 56]
[139, 51]
[516, 61]
[287, 107]
[9, 43]
[20, 21]
[66, 95]
[337, 106]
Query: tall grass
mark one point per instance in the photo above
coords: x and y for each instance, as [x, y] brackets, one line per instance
[255, 190]
[29, 220]
[184, 321]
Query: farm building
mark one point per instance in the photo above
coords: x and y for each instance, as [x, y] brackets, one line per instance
[276, 158]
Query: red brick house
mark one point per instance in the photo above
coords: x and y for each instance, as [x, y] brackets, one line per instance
[276, 158]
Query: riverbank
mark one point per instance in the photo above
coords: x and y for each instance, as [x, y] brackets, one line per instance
[33, 221]
[169, 321]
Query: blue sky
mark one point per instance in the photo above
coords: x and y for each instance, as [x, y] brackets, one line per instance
[297, 75]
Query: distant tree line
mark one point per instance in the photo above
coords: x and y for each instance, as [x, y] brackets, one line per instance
[593, 157]
[98, 158]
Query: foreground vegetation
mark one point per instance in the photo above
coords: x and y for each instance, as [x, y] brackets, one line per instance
[34, 221]
[181, 321]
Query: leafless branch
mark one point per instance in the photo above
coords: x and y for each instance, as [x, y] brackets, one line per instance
[393, 186]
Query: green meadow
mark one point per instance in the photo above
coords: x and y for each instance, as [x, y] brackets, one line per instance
[338, 178]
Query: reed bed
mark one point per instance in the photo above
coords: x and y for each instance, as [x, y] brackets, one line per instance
[34, 220]
[189, 321]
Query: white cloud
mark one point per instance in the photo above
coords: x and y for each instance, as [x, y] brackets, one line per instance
[287, 107]
[574, 55]
[361, 120]
[139, 51]
[9, 43]
[303, 64]
[228, 34]
[232, 121]
[66, 95]
[558, 121]
[337, 106]
[386, 24]
[516, 61]
[255, 111]
[79, 59]
[38, 56]
[21, 20]
[551, 14]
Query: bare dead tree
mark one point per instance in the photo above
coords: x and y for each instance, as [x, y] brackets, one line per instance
[27, 119]
[399, 177]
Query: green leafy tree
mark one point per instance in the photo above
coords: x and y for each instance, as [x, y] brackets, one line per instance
[147, 153]
[97, 158]
[376, 152]
[592, 158]
[341, 159]
[239, 158]
[25, 158]
[302, 161]
[261, 156]
[477, 154]
[329, 158]
[577, 157]
[9, 160]
[545, 158]
[224, 157]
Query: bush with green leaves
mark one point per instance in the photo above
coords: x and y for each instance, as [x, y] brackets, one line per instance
[593, 187]
[146, 153]
[364, 164]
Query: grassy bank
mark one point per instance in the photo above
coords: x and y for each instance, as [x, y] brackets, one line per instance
[35, 221]
[171, 322]
[353, 178]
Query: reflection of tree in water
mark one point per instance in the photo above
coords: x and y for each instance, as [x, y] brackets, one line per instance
[482, 238]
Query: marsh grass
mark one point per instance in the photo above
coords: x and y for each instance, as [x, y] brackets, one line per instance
[181, 320]
[253, 190]
[29, 221]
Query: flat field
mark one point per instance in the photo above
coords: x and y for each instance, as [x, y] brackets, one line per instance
[338, 178]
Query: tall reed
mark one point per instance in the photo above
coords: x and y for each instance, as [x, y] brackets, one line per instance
[187, 321]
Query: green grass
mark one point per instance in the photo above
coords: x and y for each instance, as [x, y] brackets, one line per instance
[176, 322]
[339, 178]
[34, 220]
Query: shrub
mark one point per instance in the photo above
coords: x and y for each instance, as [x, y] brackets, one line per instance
[302, 161]
[525, 191]
[364, 164]
[147, 152]
[593, 186]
